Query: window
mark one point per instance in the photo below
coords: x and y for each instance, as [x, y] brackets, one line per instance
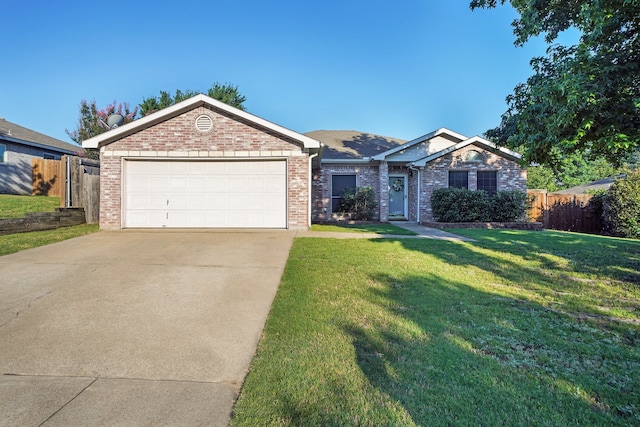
[3, 151]
[48, 156]
[339, 183]
[473, 156]
[488, 181]
[459, 179]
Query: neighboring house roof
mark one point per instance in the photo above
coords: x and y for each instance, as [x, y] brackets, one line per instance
[601, 184]
[17, 134]
[343, 145]
[476, 140]
[187, 105]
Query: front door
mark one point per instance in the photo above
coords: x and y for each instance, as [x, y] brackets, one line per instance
[398, 196]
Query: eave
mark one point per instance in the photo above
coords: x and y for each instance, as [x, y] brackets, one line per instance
[187, 105]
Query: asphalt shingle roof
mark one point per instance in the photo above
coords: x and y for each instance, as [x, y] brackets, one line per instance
[352, 144]
[14, 131]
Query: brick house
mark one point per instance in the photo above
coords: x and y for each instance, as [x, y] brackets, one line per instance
[204, 164]
[405, 174]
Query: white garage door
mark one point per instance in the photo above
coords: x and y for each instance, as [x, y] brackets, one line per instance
[205, 194]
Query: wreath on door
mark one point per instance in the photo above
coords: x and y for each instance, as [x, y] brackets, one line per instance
[397, 185]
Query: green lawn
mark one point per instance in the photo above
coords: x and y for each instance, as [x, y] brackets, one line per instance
[20, 241]
[16, 206]
[518, 328]
[363, 228]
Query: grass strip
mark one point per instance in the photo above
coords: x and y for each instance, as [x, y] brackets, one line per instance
[12, 206]
[518, 328]
[363, 228]
[12, 243]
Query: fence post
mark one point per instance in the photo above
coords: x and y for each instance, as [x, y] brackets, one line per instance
[62, 173]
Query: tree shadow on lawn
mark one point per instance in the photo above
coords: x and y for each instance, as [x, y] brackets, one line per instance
[453, 354]
[564, 272]
[609, 257]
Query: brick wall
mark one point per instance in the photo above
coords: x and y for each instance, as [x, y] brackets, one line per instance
[230, 138]
[510, 175]
[366, 175]
[435, 175]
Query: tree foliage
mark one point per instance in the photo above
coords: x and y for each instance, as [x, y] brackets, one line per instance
[572, 170]
[581, 99]
[92, 121]
[621, 206]
[226, 93]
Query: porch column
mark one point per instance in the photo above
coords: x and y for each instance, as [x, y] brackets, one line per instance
[383, 203]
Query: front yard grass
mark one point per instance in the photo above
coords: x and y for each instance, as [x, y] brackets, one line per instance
[363, 228]
[518, 328]
[11, 243]
[12, 206]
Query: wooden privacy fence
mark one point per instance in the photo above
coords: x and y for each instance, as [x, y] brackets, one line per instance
[568, 212]
[47, 177]
[74, 179]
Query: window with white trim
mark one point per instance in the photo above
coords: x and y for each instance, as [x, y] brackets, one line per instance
[339, 183]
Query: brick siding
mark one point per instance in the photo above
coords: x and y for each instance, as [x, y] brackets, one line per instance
[229, 138]
[510, 176]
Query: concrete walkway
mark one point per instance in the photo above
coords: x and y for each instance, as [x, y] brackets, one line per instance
[422, 233]
[134, 328]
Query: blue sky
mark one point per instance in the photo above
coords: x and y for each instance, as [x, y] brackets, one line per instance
[398, 69]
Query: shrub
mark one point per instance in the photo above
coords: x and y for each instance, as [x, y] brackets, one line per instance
[509, 206]
[359, 203]
[621, 207]
[460, 205]
[596, 203]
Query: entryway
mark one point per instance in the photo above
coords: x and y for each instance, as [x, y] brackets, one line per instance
[398, 197]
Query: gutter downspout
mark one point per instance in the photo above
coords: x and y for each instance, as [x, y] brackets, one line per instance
[311, 157]
[411, 167]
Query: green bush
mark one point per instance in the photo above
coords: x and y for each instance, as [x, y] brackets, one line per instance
[509, 206]
[621, 207]
[460, 205]
[359, 203]
[596, 203]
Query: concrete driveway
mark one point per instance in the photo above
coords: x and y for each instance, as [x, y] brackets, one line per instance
[134, 327]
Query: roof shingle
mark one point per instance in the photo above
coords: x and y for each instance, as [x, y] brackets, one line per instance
[14, 131]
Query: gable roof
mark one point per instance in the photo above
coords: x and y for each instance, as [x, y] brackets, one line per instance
[476, 140]
[343, 145]
[443, 132]
[187, 105]
[17, 134]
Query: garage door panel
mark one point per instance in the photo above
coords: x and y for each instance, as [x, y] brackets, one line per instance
[145, 201]
[155, 219]
[198, 184]
[238, 194]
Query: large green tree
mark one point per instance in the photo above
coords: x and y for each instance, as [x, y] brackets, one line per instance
[584, 98]
[571, 171]
[227, 93]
